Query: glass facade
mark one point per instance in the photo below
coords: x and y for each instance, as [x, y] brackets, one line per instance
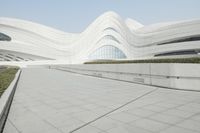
[109, 37]
[4, 37]
[112, 29]
[184, 52]
[185, 39]
[107, 52]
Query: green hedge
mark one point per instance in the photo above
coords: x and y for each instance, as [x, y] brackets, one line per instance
[6, 77]
[177, 60]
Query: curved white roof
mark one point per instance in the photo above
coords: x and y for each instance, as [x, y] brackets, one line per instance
[34, 41]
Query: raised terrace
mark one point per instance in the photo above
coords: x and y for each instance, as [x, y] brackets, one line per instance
[49, 100]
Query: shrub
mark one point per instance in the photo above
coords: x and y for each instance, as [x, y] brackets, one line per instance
[6, 77]
[174, 60]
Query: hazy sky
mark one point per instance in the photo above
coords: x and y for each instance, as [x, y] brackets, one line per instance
[76, 15]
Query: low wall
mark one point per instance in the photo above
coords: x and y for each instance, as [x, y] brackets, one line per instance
[6, 100]
[177, 76]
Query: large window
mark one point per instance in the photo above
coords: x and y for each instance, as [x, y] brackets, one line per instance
[107, 52]
[109, 37]
[183, 52]
[111, 29]
[4, 37]
[184, 39]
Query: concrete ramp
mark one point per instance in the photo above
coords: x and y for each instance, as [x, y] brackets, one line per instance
[53, 101]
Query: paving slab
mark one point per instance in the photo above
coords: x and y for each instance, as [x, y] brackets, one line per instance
[53, 101]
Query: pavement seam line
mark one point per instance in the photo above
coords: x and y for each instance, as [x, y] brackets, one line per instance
[14, 126]
[129, 102]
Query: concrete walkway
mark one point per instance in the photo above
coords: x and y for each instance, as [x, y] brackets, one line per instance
[52, 101]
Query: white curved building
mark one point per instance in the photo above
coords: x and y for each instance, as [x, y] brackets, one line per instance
[108, 37]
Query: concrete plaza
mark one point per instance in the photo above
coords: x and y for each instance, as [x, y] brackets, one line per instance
[53, 101]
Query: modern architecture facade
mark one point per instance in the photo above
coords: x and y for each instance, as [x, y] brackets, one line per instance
[108, 37]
